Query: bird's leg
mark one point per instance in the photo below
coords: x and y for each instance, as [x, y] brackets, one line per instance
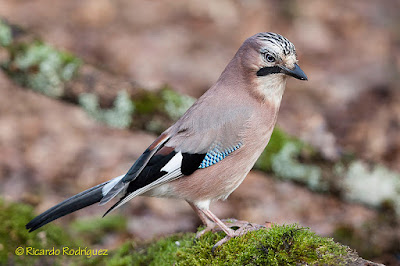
[245, 227]
[210, 220]
[229, 232]
[210, 225]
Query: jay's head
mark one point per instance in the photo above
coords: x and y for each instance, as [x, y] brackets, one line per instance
[268, 59]
[271, 54]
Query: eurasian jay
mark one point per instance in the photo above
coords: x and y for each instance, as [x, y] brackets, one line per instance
[209, 151]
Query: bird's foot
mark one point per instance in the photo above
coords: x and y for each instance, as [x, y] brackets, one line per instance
[210, 227]
[238, 225]
[243, 227]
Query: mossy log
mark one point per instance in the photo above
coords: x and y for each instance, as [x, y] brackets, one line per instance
[273, 245]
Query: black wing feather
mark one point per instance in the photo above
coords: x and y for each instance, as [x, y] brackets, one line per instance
[77, 202]
[136, 168]
[152, 171]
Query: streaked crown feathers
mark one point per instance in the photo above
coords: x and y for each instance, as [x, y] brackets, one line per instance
[278, 40]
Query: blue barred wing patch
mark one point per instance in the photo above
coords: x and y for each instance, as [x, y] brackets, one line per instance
[215, 155]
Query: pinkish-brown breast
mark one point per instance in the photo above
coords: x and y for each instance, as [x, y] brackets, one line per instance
[221, 179]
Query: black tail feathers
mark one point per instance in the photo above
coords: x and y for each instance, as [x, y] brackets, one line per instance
[77, 202]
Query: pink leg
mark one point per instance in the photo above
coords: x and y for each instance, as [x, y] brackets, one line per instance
[229, 232]
[244, 228]
[210, 220]
[207, 222]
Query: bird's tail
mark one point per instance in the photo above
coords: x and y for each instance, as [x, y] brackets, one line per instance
[77, 202]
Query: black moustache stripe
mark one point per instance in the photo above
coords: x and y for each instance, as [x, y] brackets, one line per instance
[269, 70]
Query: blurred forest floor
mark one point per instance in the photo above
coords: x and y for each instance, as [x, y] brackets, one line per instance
[350, 51]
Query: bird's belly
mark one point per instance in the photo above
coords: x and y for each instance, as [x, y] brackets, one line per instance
[214, 182]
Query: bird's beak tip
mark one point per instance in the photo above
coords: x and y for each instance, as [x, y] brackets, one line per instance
[296, 72]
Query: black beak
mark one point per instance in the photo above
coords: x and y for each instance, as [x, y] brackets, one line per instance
[296, 72]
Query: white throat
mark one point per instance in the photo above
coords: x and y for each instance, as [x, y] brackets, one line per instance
[272, 87]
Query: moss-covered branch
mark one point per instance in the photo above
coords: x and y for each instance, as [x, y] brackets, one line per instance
[278, 245]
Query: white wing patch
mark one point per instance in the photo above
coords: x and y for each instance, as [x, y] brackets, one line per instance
[111, 184]
[174, 163]
[173, 169]
[164, 179]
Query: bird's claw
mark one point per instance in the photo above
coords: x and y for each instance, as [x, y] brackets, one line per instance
[244, 228]
[202, 232]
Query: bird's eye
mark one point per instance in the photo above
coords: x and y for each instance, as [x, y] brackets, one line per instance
[270, 58]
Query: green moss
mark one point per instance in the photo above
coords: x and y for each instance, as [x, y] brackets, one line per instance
[123, 256]
[278, 140]
[286, 165]
[282, 157]
[5, 34]
[175, 104]
[156, 110]
[163, 252]
[94, 229]
[363, 238]
[41, 67]
[280, 245]
[13, 217]
[148, 102]
[166, 100]
[120, 116]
